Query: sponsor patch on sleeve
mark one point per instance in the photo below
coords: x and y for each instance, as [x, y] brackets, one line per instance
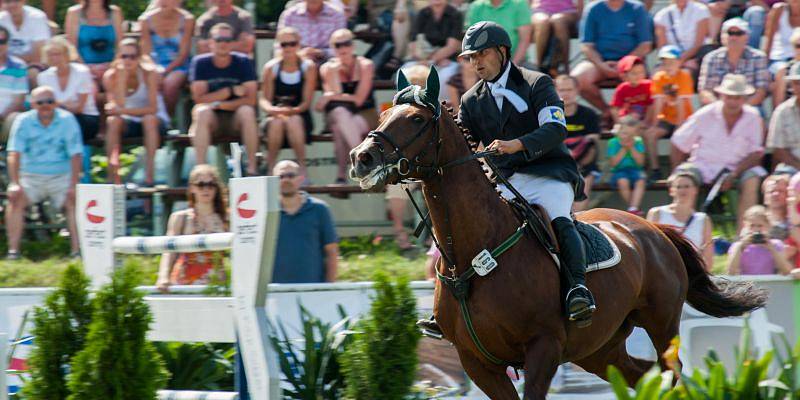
[552, 114]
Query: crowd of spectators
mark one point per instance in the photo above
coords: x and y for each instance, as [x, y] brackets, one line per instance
[717, 79]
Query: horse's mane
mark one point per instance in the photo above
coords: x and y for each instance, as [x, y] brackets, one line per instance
[472, 143]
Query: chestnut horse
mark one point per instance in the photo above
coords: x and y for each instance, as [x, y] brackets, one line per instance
[516, 309]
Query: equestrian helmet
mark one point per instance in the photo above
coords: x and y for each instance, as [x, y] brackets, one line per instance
[483, 35]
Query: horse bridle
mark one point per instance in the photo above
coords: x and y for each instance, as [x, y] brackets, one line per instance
[403, 164]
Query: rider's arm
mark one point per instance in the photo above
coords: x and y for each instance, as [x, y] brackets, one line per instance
[549, 109]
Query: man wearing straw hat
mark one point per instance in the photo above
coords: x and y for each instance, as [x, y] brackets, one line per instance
[726, 133]
[784, 128]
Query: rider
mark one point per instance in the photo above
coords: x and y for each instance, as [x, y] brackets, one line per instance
[517, 113]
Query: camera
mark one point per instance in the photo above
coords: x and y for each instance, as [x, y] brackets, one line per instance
[758, 238]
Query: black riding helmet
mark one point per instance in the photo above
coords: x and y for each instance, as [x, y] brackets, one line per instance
[484, 35]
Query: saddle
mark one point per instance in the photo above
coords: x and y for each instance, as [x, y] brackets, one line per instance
[601, 251]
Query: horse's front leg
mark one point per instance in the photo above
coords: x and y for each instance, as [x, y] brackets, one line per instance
[493, 381]
[542, 356]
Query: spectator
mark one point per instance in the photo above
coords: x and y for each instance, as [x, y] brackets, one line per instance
[287, 92]
[734, 58]
[316, 20]
[307, 248]
[780, 27]
[606, 37]
[756, 253]
[390, 17]
[775, 191]
[239, 21]
[44, 163]
[513, 15]
[683, 24]
[632, 96]
[672, 90]
[436, 40]
[559, 17]
[134, 108]
[72, 84]
[28, 29]
[781, 90]
[793, 211]
[224, 91]
[347, 98]
[626, 157]
[684, 187]
[207, 213]
[13, 85]
[459, 83]
[95, 28]
[583, 134]
[167, 38]
[755, 14]
[784, 133]
[725, 134]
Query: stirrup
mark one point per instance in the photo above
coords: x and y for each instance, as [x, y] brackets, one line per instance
[584, 314]
[429, 327]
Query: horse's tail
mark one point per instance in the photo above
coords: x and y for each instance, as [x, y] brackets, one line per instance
[715, 297]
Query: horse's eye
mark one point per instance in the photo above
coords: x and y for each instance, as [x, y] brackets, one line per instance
[417, 119]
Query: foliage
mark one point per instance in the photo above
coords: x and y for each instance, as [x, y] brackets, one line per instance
[268, 10]
[198, 366]
[312, 371]
[60, 329]
[381, 361]
[118, 362]
[126, 161]
[749, 380]
[364, 255]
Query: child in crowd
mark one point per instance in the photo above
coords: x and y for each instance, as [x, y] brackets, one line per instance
[672, 89]
[632, 96]
[755, 253]
[626, 157]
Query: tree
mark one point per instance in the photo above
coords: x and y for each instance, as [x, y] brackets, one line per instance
[60, 328]
[118, 363]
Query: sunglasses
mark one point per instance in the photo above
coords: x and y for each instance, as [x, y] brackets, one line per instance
[224, 39]
[682, 186]
[205, 185]
[45, 101]
[346, 43]
[736, 33]
[3, 41]
[289, 44]
[288, 175]
[129, 56]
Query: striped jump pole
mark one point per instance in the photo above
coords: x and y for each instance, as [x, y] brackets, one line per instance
[254, 217]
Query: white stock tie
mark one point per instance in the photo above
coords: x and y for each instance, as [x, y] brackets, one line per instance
[518, 103]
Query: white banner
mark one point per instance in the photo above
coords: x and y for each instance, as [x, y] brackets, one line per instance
[100, 214]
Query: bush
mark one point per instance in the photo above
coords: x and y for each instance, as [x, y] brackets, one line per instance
[747, 382]
[198, 366]
[60, 328]
[312, 371]
[381, 361]
[118, 362]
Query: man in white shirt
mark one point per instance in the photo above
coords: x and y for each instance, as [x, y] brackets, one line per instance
[684, 23]
[28, 27]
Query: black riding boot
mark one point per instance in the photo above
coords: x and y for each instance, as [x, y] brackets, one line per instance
[579, 303]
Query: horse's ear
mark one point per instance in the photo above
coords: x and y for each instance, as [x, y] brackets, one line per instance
[402, 82]
[432, 86]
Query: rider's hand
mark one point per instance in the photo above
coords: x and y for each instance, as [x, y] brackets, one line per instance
[506, 146]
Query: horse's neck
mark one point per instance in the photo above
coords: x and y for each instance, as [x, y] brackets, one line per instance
[465, 206]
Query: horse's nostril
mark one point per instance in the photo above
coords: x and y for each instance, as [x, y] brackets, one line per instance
[365, 158]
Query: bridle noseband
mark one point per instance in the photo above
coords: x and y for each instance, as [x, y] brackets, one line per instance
[405, 166]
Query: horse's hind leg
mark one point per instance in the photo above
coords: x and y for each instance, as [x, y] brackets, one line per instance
[614, 353]
[493, 382]
[662, 326]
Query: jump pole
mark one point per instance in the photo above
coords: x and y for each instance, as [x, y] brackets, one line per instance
[254, 217]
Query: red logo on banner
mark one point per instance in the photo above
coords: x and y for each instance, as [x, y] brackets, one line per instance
[95, 219]
[244, 212]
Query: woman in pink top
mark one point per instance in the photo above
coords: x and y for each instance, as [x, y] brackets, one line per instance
[755, 253]
[559, 17]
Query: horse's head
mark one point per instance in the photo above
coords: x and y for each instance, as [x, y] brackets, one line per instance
[406, 143]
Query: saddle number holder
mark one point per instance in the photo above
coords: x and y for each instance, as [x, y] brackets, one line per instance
[484, 263]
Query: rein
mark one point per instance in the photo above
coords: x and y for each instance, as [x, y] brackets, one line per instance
[458, 285]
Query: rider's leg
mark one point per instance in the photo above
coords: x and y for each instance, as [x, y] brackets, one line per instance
[556, 198]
